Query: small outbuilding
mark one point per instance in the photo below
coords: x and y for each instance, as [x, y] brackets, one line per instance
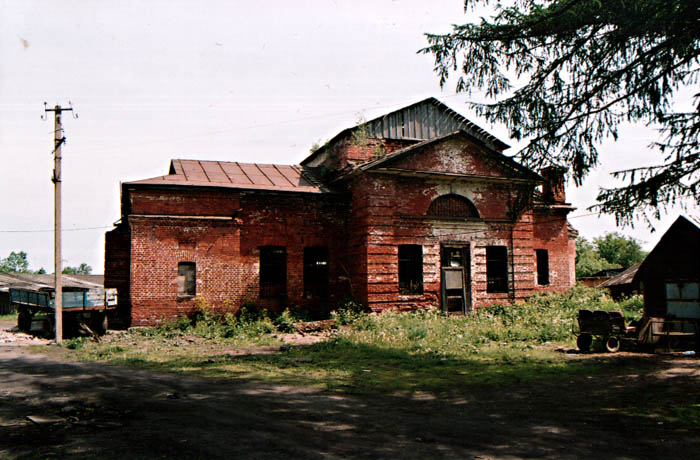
[670, 274]
[622, 284]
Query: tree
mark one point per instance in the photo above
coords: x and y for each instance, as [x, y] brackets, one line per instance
[618, 249]
[588, 259]
[589, 65]
[610, 251]
[16, 262]
[83, 269]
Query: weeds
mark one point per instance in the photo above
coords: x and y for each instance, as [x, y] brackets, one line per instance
[369, 352]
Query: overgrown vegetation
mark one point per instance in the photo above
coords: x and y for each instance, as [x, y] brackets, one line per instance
[423, 350]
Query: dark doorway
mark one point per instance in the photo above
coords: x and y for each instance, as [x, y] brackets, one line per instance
[456, 278]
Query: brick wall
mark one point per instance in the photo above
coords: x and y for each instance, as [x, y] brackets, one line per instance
[224, 246]
[221, 232]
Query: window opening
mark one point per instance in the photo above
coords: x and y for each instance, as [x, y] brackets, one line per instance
[410, 269]
[315, 272]
[542, 256]
[187, 278]
[273, 271]
[496, 269]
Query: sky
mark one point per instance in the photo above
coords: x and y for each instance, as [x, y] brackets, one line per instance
[246, 81]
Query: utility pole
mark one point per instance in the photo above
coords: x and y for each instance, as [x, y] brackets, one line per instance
[59, 140]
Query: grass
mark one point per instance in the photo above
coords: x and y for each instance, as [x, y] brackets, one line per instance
[9, 317]
[392, 352]
[503, 346]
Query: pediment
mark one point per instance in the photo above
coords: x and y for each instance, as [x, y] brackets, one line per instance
[454, 154]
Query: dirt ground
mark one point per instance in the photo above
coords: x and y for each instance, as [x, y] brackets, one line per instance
[55, 408]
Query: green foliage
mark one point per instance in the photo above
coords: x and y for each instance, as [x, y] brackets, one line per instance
[619, 249]
[586, 66]
[610, 251]
[16, 262]
[360, 135]
[76, 343]
[82, 269]
[249, 322]
[347, 312]
[284, 322]
[542, 318]
[589, 260]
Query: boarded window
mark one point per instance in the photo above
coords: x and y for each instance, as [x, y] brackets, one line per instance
[452, 206]
[316, 272]
[496, 269]
[273, 272]
[542, 266]
[411, 269]
[187, 278]
[683, 299]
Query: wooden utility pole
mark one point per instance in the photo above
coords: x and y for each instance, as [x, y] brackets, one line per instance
[59, 140]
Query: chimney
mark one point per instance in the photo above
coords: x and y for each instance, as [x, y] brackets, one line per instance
[553, 187]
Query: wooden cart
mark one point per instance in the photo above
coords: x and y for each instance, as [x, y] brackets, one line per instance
[609, 326]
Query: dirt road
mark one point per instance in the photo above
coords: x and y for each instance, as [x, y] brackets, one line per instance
[84, 410]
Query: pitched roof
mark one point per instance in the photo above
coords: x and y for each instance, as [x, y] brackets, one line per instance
[624, 277]
[680, 229]
[36, 282]
[231, 174]
[421, 121]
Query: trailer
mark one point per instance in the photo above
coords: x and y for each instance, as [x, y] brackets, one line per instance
[80, 306]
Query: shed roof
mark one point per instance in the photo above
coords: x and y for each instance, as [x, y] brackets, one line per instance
[35, 282]
[622, 278]
[232, 174]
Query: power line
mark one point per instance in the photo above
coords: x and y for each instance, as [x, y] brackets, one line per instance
[77, 229]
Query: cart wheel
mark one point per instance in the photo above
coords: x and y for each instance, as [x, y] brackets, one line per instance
[583, 342]
[612, 344]
[24, 320]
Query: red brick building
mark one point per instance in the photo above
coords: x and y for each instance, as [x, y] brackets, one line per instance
[418, 208]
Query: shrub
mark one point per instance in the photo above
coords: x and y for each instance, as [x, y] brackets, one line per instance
[347, 311]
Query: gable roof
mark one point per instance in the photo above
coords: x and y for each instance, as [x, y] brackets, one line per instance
[421, 121]
[683, 226]
[503, 160]
[234, 175]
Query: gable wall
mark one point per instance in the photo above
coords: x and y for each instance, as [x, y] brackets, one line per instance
[675, 258]
[456, 155]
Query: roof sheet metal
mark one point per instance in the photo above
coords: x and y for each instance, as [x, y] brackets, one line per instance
[254, 176]
[625, 277]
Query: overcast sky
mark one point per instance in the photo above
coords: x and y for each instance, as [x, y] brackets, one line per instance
[245, 81]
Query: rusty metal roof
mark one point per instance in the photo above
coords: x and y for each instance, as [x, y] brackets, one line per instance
[231, 174]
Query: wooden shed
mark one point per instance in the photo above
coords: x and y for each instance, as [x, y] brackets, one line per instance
[670, 274]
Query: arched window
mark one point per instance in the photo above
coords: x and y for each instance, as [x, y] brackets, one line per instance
[452, 206]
